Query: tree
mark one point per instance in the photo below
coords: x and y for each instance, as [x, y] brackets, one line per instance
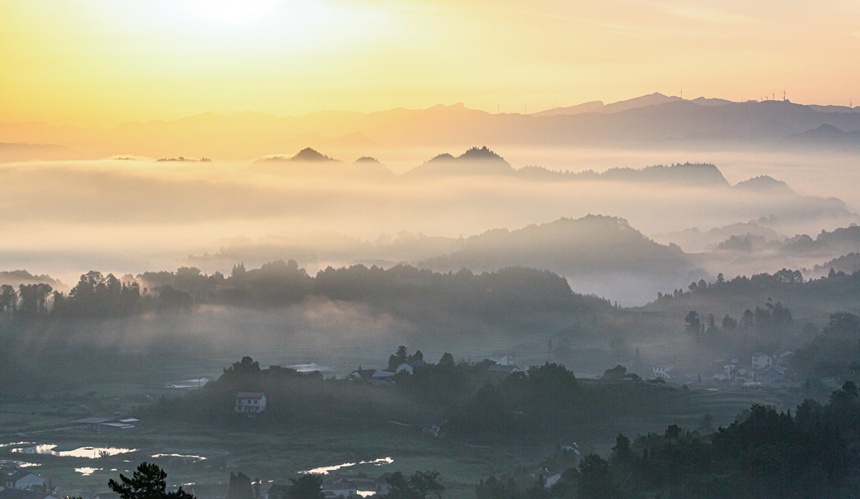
[447, 361]
[398, 358]
[173, 300]
[843, 324]
[729, 324]
[34, 299]
[307, 486]
[595, 479]
[8, 299]
[240, 487]
[148, 482]
[692, 323]
[419, 485]
[617, 373]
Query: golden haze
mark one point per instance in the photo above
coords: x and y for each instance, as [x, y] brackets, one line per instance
[102, 62]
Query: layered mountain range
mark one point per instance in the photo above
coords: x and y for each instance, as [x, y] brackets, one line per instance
[652, 120]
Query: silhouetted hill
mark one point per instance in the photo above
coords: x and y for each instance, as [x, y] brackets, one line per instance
[695, 240]
[367, 164]
[16, 277]
[826, 135]
[586, 107]
[692, 174]
[311, 163]
[596, 249]
[839, 241]
[765, 184]
[686, 174]
[308, 154]
[475, 161]
[651, 120]
[654, 99]
[849, 264]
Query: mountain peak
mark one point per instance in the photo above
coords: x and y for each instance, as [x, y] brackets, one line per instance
[481, 154]
[764, 183]
[475, 161]
[309, 154]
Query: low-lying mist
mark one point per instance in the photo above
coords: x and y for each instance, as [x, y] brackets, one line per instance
[128, 216]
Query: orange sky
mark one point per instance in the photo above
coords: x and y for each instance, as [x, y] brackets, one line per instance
[101, 62]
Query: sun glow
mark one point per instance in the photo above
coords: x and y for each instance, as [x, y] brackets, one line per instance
[231, 12]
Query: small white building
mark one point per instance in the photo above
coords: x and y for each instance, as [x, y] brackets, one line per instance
[504, 360]
[250, 403]
[662, 372]
[24, 480]
[406, 367]
[503, 369]
[761, 360]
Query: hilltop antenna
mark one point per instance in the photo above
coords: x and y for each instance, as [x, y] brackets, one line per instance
[772, 96]
[682, 93]
[783, 96]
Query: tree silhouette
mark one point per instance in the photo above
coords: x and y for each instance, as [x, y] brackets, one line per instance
[148, 482]
[419, 486]
[307, 486]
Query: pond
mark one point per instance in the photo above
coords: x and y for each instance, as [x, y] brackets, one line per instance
[188, 457]
[5, 463]
[188, 383]
[325, 470]
[309, 368]
[86, 471]
[80, 452]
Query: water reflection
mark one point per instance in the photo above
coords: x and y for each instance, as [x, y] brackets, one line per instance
[324, 470]
[16, 444]
[80, 452]
[309, 368]
[17, 464]
[87, 471]
[188, 383]
[180, 456]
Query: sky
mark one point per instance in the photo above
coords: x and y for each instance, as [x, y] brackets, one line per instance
[103, 62]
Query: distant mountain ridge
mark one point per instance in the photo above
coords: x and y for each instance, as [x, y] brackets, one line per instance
[689, 174]
[654, 119]
[826, 135]
[653, 99]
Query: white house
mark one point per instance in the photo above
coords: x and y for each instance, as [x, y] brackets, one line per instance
[503, 369]
[760, 361]
[342, 487]
[770, 375]
[504, 360]
[662, 372]
[24, 480]
[406, 367]
[250, 403]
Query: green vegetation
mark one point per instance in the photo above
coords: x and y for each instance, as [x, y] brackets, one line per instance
[148, 482]
[764, 453]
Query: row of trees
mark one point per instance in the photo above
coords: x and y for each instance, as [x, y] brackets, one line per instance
[468, 401]
[503, 293]
[764, 453]
[784, 277]
[149, 481]
[94, 296]
[767, 323]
